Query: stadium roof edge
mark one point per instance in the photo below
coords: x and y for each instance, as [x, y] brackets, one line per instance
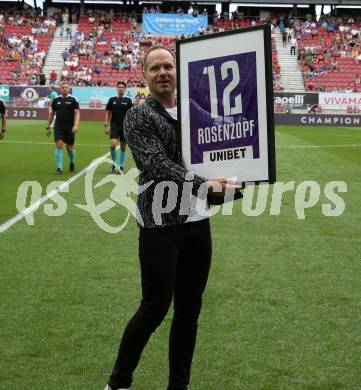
[299, 2]
[255, 2]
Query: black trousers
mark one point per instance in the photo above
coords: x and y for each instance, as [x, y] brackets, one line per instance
[174, 263]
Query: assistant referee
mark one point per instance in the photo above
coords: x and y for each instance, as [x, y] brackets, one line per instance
[66, 108]
[115, 112]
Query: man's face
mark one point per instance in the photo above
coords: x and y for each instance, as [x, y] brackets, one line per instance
[64, 88]
[160, 73]
[121, 90]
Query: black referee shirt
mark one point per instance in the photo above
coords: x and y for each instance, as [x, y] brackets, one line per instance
[118, 106]
[64, 109]
[2, 107]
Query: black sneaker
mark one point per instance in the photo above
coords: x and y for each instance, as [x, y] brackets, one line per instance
[71, 167]
[114, 169]
[121, 170]
[58, 171]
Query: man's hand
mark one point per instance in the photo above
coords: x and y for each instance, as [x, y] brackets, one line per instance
[48, 131]
[106, 129]
[219, 186]
[74, 130]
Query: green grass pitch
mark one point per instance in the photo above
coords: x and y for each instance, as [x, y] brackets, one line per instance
[283, 304]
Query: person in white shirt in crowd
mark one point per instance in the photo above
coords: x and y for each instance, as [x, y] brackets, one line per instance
[293, 45]
[354, 33]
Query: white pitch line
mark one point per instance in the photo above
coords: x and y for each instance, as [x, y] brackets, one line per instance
[344, 135]
[49, 143]
[34, 206]
[318, 146]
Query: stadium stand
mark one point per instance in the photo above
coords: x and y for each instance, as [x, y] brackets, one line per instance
[276, 69]
[110, 49]
[117, 52]
[24, 41]
[106, 49]
[223, 24]
[328, 54]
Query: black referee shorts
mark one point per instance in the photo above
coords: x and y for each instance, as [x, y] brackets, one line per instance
[65, 135]
[117, 133]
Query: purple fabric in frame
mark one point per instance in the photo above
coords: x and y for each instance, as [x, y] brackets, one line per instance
[200, 105]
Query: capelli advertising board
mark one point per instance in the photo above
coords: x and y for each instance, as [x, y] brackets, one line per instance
[295, 99]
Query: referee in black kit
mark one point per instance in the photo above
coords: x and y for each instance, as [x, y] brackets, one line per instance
[115, 112]
[66, 108]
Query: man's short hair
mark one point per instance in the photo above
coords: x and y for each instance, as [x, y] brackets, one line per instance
[121, 82]
[155, 47]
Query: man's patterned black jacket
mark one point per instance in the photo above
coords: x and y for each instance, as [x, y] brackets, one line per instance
[151, 134]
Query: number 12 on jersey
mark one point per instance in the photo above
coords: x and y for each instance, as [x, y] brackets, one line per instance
[227, 68]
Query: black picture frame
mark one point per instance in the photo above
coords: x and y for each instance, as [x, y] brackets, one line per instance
[267, 52]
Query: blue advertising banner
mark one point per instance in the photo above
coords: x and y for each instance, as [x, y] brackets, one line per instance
[173, 24]
[98, 93]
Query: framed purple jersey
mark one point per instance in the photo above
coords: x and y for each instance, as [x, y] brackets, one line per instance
[225, 105]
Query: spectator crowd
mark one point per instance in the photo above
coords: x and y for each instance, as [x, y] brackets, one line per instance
[328, 51]
[24, 40]
[106, 47]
